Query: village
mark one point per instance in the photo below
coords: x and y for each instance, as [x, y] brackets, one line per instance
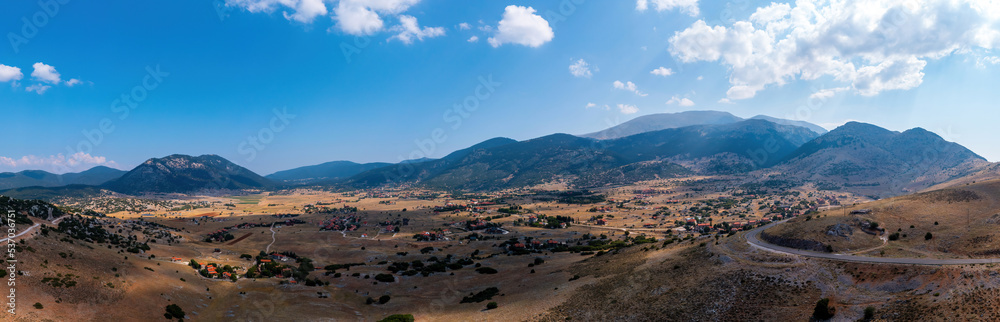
[382, 248]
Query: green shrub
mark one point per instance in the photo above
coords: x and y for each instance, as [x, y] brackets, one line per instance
[869, 313]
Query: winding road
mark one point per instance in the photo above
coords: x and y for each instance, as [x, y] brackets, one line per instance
[54, 222]
[753, 240]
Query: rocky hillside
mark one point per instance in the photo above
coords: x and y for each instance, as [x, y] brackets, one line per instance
[183, 173]
[869, 159]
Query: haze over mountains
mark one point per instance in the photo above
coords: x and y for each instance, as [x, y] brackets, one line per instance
[856, 157]
[662, 121]
[94, 176]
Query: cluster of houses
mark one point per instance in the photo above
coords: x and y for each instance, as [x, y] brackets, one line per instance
[432, 236]
[602, 209]
[342, 223]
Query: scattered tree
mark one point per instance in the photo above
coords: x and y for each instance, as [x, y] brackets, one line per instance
[175, 311]
[823, 310]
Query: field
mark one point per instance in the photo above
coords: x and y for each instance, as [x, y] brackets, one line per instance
[661, 250]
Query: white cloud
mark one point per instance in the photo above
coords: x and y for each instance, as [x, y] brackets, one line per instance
[628, 86]
[689, 7]
[362, 17]
[662, 71]
[38, 88]
[828, 93]
[725, 101]
[981, 62]
[870, 46]
[73, 82]
[521, 26]
[589, 105]
[580, 69]
[10, 73]
[473, 39]
[304, 11]
[464, 26]
[628, 109]
[55, 163]
[680, 101]
[409, 29]
[45, 73]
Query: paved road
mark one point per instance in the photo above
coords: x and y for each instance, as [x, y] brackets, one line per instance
[752, 239]
[30, 229]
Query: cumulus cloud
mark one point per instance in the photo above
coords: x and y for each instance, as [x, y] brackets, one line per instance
[680, 101]
[55, 163]
[304, 11]
[73, 82]
[628, 86]
[521, 26]
[627, 109]
[45, 73]
[689, 7]
[580, 69]
[870, 46]
[473, 39]
[589, 105]
[362, 17]
[408, 30]
[662, 71]
[10, 73]
[354, 17]
[464, 26]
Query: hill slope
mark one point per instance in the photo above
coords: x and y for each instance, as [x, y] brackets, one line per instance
[589, 162]
[868, 159]
[28, 178]
[183, 173]
[325, 171]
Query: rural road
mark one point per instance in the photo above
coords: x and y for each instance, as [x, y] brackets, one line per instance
[30, 229]
[752, 239]
[273, 239]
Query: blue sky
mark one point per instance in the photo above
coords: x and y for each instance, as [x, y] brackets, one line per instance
[277, 84]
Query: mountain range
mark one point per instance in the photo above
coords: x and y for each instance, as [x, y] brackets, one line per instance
[94, 176]
[855, 157]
